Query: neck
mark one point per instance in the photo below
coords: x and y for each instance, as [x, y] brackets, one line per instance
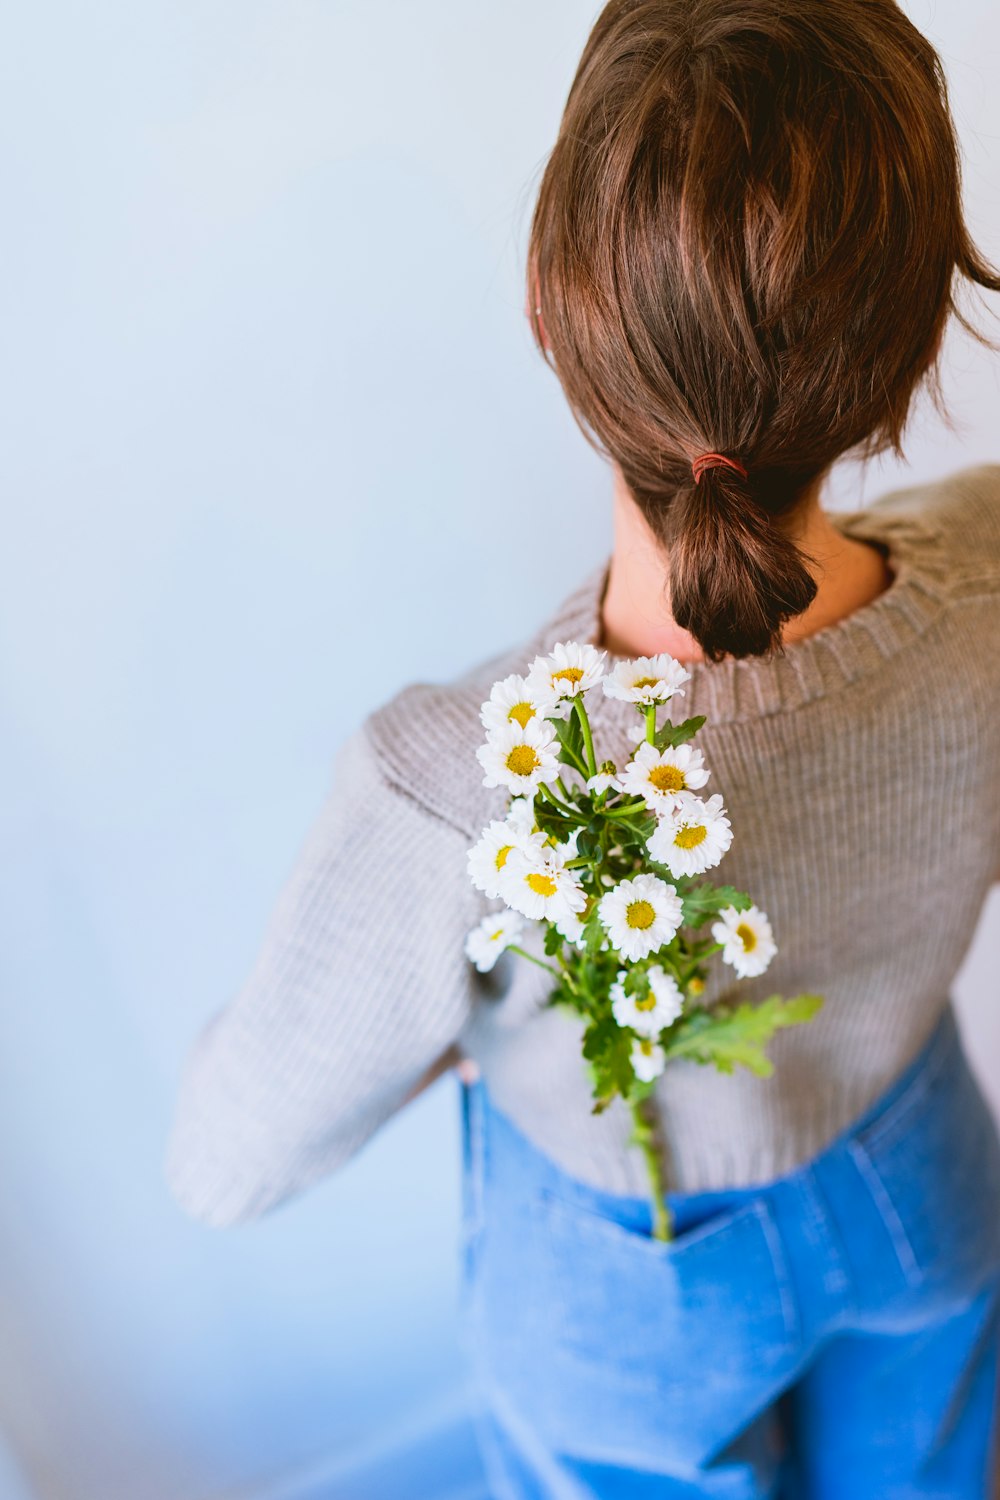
[635, 614]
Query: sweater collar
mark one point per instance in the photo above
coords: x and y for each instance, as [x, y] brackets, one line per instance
[740, 689]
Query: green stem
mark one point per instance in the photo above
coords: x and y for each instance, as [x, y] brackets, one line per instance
[578, 764]
[643, 1136]
[513, 948]
[567, 975]
[651, 723]
[566, 810]
[622, 815]
[588, 739]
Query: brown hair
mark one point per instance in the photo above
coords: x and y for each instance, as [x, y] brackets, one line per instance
[745, 240]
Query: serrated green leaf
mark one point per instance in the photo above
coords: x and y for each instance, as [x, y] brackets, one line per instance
[728, 1036]
[669, 735]
[704, 901]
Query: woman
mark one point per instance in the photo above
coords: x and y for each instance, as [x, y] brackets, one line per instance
[742, 261]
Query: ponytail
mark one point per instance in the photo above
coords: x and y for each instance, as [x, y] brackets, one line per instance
[737, 193]
[735, 575]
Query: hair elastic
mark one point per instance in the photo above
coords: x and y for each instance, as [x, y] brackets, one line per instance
[703, 461]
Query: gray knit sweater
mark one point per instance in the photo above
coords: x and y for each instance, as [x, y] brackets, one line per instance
[861, 775]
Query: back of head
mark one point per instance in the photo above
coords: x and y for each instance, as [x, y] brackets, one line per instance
[746, 240]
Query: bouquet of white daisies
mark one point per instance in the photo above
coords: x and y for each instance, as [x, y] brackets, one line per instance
[604, 860]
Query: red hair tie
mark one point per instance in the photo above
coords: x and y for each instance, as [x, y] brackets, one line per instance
[703, 461]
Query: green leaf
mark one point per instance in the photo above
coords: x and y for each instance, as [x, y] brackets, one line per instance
[553, 939]
[594, 933]
[586, 845]
[551, 820]
[606, 1046]
[704, 901]
[727, 1036]
[570, 736]
[668, 735]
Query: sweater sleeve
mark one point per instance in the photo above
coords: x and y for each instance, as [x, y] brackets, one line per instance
[360, 984]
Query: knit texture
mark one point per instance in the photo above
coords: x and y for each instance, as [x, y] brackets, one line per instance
[861, 775]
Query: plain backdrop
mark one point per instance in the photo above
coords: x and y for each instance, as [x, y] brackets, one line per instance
[274, 441]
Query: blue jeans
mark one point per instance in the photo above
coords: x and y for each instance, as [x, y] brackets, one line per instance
[831, 1333]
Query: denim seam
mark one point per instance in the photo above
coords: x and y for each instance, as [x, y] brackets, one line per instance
[782, 1271]
[819, 1227]
[888, 1212]
[532, 1451]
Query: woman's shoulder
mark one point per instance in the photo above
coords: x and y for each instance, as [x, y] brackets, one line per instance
[956, 521]
[426, 734]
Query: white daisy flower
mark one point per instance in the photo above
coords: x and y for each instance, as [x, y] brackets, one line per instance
[536, 883]
[606, 778]
[646, 679]
[658, 775]
[640, 914]
[488, 855]
[570, 925]
[491, 936]
[567, 848]
[569, 670]
[648, 1059]
[509, 703]
[649, 1013]
[521, 816]
[749, 943]
[669, 995]
[520, 758]
[693, 837]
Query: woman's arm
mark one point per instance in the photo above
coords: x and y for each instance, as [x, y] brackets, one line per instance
[353, 1004]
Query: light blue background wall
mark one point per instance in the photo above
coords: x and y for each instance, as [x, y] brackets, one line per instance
[273, 441]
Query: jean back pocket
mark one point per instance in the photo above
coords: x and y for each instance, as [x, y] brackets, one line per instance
[661, 1349]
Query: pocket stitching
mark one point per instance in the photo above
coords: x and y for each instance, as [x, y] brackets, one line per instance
[662, 1251]
[782, 1272]
[888, 1212]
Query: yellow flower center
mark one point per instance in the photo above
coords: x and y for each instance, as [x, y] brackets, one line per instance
[522, 760]
[542, 885]
[690, 836]
[648, 1002]
[646, 1045]
[747, 936]
[501, 858]
[696, 985]
[495, 935]
[522, 712]
[641, 682]
[569, 674]
[640, 914]
[667, 778]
